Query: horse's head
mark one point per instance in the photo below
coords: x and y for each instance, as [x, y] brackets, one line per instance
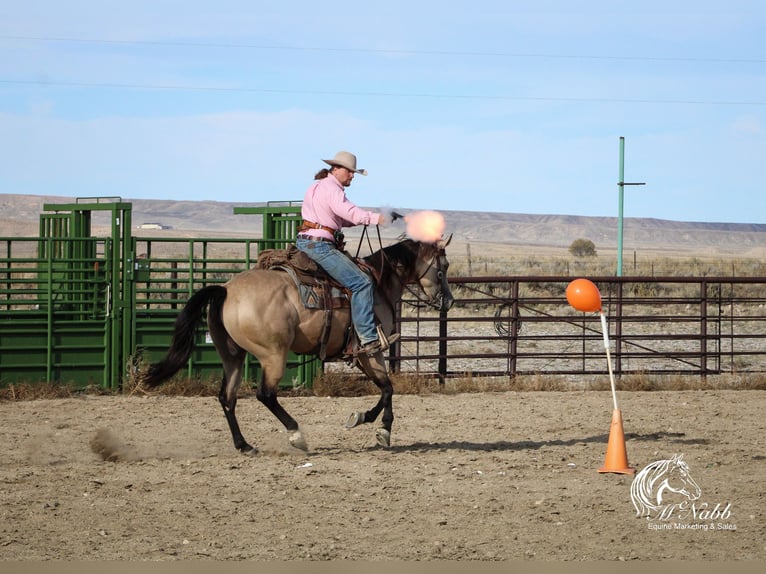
[431, 273]
[679, 480]
[660, 482]
[420, 262]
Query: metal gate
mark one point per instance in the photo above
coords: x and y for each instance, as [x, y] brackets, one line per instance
[65, 304]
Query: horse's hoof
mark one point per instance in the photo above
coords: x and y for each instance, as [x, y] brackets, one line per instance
[298, 441]
[249, 451]
[383, 437]
[354, 420]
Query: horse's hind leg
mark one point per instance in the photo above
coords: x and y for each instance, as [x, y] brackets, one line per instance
[233, 365]
[375, 368]
[233, 358]
[273, 370]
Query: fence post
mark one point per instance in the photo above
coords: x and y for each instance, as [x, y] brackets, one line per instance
[442, 346]
[618, 330]
[515, 325]
[703, 328]
[396, 348]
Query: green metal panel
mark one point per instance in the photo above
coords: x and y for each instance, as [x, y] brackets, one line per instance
[52, 313]
[280, 221]
[79, 284]
[79, 309]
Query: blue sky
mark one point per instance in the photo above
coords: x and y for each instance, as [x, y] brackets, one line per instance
[499, 106]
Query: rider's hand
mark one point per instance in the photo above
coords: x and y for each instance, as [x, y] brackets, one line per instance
[383, 219]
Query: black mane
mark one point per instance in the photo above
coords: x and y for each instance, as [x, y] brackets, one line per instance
[401, 254]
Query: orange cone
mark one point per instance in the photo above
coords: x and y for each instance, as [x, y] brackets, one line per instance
[616, 456]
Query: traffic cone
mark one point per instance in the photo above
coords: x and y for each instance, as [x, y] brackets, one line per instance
[616, 456]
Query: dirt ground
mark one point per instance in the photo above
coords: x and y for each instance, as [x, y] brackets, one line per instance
[478, 476]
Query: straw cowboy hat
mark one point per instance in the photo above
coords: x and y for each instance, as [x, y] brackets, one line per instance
[347, 160]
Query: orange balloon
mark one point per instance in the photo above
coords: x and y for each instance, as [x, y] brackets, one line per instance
[584, 296]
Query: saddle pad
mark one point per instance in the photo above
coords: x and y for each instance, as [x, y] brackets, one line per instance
[312, 297]
[313, 294]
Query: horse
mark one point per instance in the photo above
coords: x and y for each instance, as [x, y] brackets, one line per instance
[260, 312]
[658, 479]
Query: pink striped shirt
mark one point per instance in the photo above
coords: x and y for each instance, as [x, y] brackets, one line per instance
[326, 203]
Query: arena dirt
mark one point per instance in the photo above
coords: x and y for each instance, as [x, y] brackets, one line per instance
[478, 476]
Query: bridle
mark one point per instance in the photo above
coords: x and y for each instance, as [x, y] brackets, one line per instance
[437, 300]
[439, 258]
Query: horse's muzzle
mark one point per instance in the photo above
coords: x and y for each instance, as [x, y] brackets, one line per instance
[442, 302]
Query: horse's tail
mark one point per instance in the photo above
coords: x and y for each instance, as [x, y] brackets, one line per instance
[182, 345]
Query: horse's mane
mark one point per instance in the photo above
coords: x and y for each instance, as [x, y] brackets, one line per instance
[402, 254]
[643, 490]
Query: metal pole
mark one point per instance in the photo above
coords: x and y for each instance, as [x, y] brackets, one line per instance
[621, 190]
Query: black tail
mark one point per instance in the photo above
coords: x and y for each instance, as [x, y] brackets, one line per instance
[183, 335]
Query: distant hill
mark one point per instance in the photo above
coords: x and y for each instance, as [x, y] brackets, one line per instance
[19, 216]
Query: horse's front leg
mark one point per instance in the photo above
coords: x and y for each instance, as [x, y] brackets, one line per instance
[375, 368]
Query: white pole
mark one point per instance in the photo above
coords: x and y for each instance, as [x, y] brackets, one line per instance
[605, 330]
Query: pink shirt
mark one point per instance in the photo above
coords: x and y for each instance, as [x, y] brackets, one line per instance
[326, 203]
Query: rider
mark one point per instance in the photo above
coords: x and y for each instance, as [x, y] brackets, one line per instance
[325, 210]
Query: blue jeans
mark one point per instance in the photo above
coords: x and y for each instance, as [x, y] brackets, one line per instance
[341, 268]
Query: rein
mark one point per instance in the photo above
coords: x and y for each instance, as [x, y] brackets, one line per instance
[366, 234]
[420, 302]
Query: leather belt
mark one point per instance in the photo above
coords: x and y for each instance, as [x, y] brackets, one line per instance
[313, 238]
[306, 224]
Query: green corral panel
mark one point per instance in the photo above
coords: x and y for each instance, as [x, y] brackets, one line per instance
[79, 309]
[71, 352]
[23, 347]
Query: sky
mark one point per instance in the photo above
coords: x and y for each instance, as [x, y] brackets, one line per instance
[488, 105]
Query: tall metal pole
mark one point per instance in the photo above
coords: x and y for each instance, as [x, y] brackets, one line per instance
[621, 191]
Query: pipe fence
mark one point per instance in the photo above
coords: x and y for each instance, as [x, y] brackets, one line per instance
[509, 326]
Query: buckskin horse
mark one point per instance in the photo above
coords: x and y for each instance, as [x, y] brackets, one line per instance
[261, 312]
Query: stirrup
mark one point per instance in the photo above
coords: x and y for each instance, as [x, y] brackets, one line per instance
[369, 349]
[385, 342]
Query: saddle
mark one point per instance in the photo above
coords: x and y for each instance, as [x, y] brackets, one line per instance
[312, 281]
[318, 290]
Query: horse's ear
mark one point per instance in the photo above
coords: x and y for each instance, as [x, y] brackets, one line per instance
[442, 243]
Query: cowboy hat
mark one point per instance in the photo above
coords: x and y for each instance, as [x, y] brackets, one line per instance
[347, 160]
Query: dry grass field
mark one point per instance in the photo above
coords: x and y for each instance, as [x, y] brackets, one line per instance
[547, 233]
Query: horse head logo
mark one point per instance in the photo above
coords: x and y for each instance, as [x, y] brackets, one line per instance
[655, 484]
